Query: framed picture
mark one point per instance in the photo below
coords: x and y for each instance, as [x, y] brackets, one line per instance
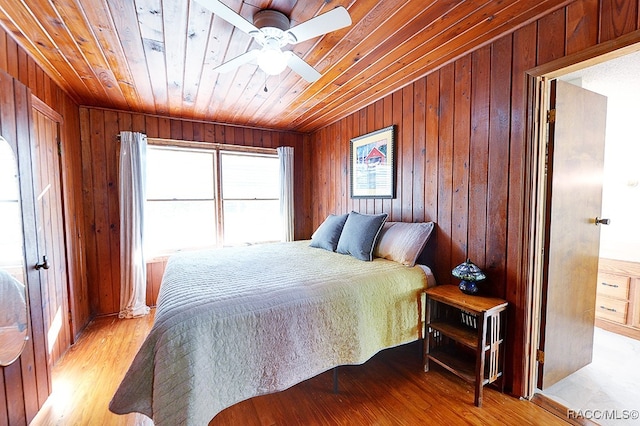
[372, 162]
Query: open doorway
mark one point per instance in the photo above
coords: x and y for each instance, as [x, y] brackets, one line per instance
[609, 383]
[605, 386]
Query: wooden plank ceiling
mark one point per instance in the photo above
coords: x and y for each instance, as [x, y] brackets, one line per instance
[158, 56]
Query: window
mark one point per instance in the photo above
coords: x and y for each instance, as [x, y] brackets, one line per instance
[250, 198]
[200, 198]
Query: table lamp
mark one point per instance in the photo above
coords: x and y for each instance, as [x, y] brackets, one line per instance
[469, 273]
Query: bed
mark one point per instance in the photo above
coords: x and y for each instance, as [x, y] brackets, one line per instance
[239, 322]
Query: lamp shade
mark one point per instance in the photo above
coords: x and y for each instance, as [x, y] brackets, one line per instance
[469, 273]
[272, 61]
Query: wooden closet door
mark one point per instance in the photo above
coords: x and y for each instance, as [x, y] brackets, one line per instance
[26, 383]
[51, 235]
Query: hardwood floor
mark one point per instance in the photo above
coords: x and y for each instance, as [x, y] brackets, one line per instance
[390, 389]
[86, 377]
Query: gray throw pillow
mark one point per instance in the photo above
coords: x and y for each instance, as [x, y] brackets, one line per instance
[360, 234]
[328, 233]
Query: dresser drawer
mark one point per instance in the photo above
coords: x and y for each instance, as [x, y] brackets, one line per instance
[615, 286]
[611, 309]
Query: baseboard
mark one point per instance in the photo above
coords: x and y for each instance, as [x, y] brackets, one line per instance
[560, 410]
[630, 332]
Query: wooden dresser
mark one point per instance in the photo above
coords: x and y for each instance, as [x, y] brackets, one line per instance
[618, 297]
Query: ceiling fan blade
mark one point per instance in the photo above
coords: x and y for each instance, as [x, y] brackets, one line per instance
[234, 63]
[298, 65]
[225, 12]
[321, 24]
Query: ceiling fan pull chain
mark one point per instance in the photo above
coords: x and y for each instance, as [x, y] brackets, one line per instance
[265, 83]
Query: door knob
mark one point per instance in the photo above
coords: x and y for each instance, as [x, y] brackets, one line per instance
[602, 221]
[44, 264]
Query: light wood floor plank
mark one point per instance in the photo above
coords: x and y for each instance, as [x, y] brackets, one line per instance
[390, 389]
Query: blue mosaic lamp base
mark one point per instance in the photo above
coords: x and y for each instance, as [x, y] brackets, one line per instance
[468, 287]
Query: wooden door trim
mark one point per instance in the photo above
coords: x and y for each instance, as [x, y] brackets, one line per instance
[45, 109]
[535, 237]
[594, 55]
[533, 242]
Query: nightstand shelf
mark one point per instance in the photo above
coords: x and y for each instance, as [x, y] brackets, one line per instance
[462, 365]
[465, 335]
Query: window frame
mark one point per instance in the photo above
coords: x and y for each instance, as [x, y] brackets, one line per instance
[218, 150]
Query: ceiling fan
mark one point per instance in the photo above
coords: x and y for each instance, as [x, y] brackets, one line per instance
[270, 28]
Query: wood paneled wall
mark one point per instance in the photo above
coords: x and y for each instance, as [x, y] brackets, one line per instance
[99, 129]
[462, 146]
[25, 384]
[23, 68]
[461, 152]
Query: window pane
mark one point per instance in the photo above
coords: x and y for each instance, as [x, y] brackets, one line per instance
[179, 174]
[176, 225]
[250, 176]
[251, 221]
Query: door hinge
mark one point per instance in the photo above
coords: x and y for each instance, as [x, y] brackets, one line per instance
[551, 116]
[59, 148]
[540, 356]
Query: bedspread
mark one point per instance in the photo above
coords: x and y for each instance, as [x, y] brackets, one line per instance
[235, 323]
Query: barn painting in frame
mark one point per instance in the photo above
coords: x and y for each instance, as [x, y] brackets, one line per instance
[372, 161]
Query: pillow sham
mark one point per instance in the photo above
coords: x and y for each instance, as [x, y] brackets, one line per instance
[403, 242]
[328, 233]
[360, 234]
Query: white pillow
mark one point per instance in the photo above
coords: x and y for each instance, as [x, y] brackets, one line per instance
[403, 242]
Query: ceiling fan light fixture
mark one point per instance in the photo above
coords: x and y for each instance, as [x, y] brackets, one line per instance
[272, 61]
[272, 29]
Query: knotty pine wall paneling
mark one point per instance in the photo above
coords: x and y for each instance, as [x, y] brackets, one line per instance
[100, 150]
[19, 65]
[26, 384]
[462, 152]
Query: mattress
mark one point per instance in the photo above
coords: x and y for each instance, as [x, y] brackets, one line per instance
[235, 323]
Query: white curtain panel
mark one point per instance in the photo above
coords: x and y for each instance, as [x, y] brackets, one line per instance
[133, 270]
[285, 155]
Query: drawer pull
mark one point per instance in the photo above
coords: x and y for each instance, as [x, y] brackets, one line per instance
[607, 309]
[610, 285]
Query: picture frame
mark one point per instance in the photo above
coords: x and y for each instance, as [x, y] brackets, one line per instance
[372, 164]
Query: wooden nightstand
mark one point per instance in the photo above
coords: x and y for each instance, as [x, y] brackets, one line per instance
[465, 335]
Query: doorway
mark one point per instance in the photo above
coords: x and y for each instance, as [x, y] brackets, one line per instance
[606, 386]
[610, 381]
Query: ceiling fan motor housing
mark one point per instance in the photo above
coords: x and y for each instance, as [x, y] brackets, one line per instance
[272, 37]
[271, 18]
